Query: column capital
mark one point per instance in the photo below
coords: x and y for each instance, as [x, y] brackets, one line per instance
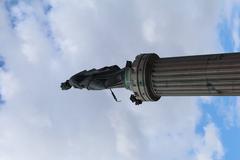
[138, 77]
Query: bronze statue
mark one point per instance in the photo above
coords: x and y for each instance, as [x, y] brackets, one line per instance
[97, 79]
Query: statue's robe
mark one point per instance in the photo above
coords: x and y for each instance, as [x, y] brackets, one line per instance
[98, 79]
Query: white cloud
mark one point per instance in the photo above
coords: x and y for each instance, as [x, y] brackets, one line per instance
[206, 99]
[149, 30]
[228, 6]
[129, 141]
[236, 33]
[177, 29]
[40, 121]
[211, 146]
[34, 49]
[9, 85]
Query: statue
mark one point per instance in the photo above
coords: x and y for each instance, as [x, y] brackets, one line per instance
[97, 79]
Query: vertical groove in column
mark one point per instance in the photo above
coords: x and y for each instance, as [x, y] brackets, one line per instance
[217, 74]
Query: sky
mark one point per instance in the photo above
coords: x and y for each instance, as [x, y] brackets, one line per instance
[44, 42]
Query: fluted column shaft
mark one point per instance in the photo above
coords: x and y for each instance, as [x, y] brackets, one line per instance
[216, 74]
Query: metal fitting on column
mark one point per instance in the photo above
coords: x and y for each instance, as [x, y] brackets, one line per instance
[138, 77]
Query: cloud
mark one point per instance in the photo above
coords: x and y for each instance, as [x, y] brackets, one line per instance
[39, 121]
[210, 147]
[8, 90]
[149, 30]
[206, 99]
[129, 138]
[236, 33]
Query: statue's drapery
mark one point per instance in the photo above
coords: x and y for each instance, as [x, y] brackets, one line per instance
[97, 79]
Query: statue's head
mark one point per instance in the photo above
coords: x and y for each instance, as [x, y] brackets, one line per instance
[65, 85]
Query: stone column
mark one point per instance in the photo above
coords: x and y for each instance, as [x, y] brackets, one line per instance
[151, 77]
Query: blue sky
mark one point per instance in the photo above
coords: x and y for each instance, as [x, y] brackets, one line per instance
[44, 42]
